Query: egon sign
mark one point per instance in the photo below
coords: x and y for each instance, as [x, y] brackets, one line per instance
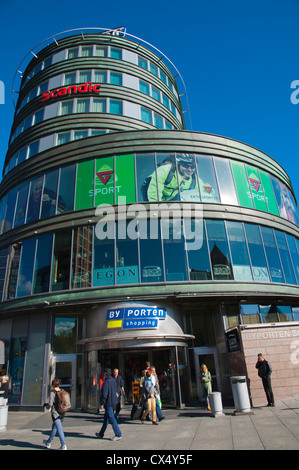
[87, 87]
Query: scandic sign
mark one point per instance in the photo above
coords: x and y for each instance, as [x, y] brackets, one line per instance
[86, 87]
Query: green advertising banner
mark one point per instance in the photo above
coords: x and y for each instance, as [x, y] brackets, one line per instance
[256, 188]
[104, 181]
[242, 185]
[125, 178]
[84, 185]
[269, 194]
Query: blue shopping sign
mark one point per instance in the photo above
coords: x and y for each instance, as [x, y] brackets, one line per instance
[136, 313]
[145, 323]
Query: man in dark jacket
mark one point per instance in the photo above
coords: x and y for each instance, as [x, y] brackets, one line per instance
[265, 371]
[108, 401]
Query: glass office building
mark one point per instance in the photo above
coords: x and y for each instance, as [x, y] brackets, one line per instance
[127, 238]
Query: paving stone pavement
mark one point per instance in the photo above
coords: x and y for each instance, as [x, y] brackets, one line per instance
[187, 430]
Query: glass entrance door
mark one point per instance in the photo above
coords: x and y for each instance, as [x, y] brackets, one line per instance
[207, 356]
[65, 370]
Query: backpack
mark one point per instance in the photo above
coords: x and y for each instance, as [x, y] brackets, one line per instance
[147, 180]
[170, 175]
[63, 401]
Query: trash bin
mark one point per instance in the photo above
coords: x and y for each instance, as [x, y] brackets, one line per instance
[240, 394]
[216, 403]
[3, 414]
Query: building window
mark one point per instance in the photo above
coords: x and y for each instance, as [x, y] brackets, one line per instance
[146, 115]
[24, 286]
[87, 51]
[116, 107]
[63, 138]
[42, 267]
[73, 53]
[61, 260]
[101, 51]
[82, 105]
[98, 105]
[219, 251]
[100, 76]
[158, 121]
[142, 62]
[116, 53]
[144, 87]
[115, 78]
[66, 107]
[69, 78]
[239, 252]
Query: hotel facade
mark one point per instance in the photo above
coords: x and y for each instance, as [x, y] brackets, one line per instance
[126, 238]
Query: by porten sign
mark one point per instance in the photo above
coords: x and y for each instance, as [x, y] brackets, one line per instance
[87, 87]
[130, 318]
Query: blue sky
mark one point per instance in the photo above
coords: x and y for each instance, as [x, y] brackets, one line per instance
[237, 58]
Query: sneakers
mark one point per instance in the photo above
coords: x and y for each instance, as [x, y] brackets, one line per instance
[99, 435]
[116, 438]
[47, 444]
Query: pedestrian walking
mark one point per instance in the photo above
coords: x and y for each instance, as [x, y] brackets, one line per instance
[57, 418]
[155, 382]
[265, 371]
[150, 398]
[108, 401]
[206, 384]
[120, 391]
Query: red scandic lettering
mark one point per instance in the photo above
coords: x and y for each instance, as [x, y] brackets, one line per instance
[84, 88]
[96, 88]
[45, 95]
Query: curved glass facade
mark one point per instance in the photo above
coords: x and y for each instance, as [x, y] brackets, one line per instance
[123, 253]
[110, 208]
[146, 177]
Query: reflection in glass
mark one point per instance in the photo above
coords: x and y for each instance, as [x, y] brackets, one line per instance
[207, 179]
[199, 261]
[225, 179]
[250, 314]
[24, 286]
[103, 262]
[12, 195]
[145, 168]
[64, 335]
[127, 270]
[239, 252]
[272, 255]
[42, 266]
[174, 250]
[219, 252]
[294, 254]
[66, 189]
[33, 210]
[285, 258]
[49, 194]
[61, 260]
[257, 254]
[151, 260]
[82, 257]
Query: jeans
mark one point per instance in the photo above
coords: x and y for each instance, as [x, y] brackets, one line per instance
[268, 389]
[57, 427]
[109, 417]
[158, 409]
